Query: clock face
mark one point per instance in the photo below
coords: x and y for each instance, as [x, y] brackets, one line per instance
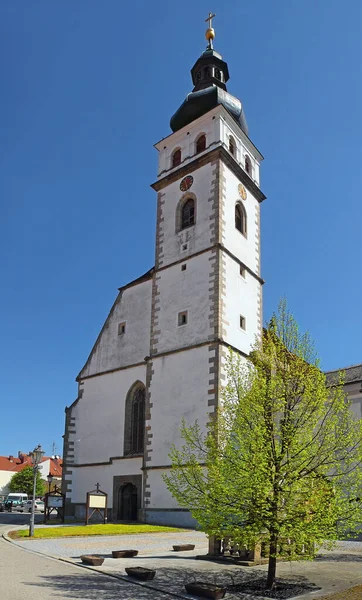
[186, 183]
[242, 191]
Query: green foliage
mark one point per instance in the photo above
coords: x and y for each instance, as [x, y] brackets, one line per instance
[281, 463]
[23, 481]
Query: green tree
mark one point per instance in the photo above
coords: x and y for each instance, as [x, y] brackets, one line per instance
[23, 481]
[280, 464]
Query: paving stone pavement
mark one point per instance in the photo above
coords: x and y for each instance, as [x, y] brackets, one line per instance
[333, 571]
[354, 593]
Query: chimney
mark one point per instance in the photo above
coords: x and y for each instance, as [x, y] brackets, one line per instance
[11, 458]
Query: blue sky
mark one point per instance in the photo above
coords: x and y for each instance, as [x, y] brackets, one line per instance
[87, 88]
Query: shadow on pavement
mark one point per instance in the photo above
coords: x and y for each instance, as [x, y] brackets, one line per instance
[339, 557]
[94, 587]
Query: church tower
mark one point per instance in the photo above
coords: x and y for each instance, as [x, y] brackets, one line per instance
[160, 356]
[207, 286]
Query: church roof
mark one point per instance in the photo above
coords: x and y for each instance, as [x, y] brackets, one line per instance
[352, 374]
[141, 279]
[209, 76]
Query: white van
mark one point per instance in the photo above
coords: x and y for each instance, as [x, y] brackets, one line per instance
[17, 498]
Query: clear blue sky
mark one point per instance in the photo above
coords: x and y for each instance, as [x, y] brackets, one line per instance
[87, 88]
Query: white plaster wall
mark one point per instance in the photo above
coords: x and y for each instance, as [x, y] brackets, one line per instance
[355, 397]
[5, 477]
[179, 388]
[243, 146]
[85, 478]
[44, 469]
[197, 237]
[241, 299]
[113, 350]
[160, 496]
[185, 139]
[243, 247]
[180, 291]
[99, 415]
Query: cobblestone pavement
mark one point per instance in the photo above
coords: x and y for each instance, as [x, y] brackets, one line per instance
[332, 571]
[354, 593]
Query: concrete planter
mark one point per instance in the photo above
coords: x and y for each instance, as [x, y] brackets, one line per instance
[92, 559]
[140, 573]
[205, 590]
[182, 547]
[124, 553]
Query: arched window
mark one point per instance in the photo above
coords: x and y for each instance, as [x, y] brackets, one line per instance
[217, 74]
[240, 218]
[188, 214]
[134, 426]
[200, 143]
[176, 158]
[247, 164]
[232, 145]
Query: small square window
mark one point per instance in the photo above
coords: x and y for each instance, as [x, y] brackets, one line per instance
[242, 271]
[182, 318]
[242, 322]
[122, 328]
[184, 247]
[183, 267]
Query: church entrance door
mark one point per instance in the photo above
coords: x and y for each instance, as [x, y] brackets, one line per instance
[127, 503]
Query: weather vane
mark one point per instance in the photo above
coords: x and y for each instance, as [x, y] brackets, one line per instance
[210, 32]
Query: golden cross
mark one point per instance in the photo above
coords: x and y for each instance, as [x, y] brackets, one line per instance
[210, 18]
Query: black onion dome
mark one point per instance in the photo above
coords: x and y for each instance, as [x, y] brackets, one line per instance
[209, 76]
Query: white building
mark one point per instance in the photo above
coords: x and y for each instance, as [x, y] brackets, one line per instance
[9, 465]
[159, 356]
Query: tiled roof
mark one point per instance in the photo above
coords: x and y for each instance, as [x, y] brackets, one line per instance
[352, 374]
[13, 465]
[55, 467]
[18, 464]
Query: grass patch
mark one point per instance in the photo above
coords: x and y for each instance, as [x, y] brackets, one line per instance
[99, 529]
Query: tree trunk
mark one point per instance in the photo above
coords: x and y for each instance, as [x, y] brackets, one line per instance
[272, 566]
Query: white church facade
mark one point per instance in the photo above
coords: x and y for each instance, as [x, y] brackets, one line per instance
[160, 354]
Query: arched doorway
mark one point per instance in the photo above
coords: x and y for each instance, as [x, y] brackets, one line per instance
[127, 503]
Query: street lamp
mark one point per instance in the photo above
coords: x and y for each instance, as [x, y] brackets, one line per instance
[50, 479]
[36, 457]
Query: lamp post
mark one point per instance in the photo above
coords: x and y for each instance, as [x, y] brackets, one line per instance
[50, 479]
[36, 457]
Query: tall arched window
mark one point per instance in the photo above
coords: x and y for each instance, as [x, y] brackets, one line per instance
[134, 426]
[188, 214]
[176, 158]
[247, 164]
[200, 143]
[232, 145]
[240, 218]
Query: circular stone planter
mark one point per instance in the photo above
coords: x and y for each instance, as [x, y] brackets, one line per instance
[92, 559]
[124, 553]
[140, 573]
[205, 590]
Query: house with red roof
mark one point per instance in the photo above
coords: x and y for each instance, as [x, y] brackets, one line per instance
[50, 465]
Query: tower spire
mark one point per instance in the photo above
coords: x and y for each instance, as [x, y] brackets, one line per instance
[210, 31]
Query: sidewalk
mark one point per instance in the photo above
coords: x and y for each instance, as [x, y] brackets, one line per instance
[333, 571]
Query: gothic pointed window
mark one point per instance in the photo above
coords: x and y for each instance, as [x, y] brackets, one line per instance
[200, 143]
[231, 145]
[248, 164]
[134, 428]
[188, 214]
[176, 158]
[240, 218]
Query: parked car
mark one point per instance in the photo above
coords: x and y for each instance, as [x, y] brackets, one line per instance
[2, 506]
[26, 506]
